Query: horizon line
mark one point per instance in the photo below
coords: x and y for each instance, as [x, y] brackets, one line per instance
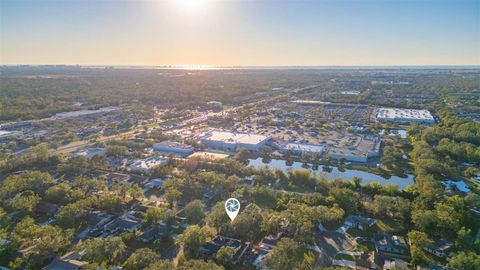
[213, 67]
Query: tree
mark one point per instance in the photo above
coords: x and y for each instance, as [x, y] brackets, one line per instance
[218, 218]
[45, 241]
[172, 195]
[192, 238]
[270, 223]
[465, 261]
[418, 240]
[346, 198]
[381, 205]
[156, 214]
[194, 211]
[464, 239]
[62, 194]
[117, 150]
[98, 162]
[35, 181]
[103, 251]
[140, 259]
[41, 153]
[199, 265]
[247, 224]
[224, 255]
[110, 202]
[161, 265]
[289, 255]
[26, 201]
[264, 197]
[242, 154]
[68, 215]
[89, 185]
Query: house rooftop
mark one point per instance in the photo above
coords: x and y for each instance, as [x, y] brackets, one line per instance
[219, 241]
[388, 240]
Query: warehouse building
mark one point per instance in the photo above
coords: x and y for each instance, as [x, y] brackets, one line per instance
[84, 113]
[404, 116]
[230, 141]
[364, 148]
[178, 149]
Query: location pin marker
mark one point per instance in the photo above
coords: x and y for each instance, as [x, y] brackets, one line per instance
[232, 207]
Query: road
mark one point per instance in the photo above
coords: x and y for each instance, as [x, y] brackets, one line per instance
[77, 145]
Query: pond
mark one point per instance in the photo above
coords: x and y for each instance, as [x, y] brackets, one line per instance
[367, 177]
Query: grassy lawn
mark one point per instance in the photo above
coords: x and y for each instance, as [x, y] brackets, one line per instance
[365, 246]
[354, 232]
[389, 226]
[345, 257]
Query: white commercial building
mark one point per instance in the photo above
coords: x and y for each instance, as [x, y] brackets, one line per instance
[84, 113]
[302, 149]
[88, 153]
[405, 115]
[178, 149]
[366, 147]
[145, 165]
[6, 135]
[230, 141]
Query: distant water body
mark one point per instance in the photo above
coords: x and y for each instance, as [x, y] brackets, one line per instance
[213, 67]
[366, 177]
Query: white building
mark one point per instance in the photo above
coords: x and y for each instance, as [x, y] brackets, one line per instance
[6, 135]
[145, 165]
[178, 149]
[366, 147]
[302, 149]
[229, 141]
[84, 113]
[215, 104]
[405, 115]
[88, 153]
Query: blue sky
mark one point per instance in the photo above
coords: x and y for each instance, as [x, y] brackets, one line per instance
[240, 32]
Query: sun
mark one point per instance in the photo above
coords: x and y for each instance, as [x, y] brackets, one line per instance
[193, 5]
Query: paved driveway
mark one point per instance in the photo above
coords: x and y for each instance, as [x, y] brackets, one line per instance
[330, 243]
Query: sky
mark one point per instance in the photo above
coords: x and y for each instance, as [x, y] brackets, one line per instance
[240, 32]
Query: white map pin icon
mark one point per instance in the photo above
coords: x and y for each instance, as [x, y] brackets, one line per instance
[232, 207]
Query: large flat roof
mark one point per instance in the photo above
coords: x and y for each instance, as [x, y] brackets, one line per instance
[314, 148]
[395, 113]
[230, 137]
[172, 144]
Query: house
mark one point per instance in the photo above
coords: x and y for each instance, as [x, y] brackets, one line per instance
[95, 222]
[211, 248]
[122, 224]
[69, 261]
[391, 246]
[98, 218]
[46, 209]
[360, 222]
[395, 264]
[366, 261]
[153, 232]
[268, 243]
[154, 183]
[441, 248]
[116, 177]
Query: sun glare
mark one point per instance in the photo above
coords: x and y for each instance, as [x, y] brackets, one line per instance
[192, 5]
